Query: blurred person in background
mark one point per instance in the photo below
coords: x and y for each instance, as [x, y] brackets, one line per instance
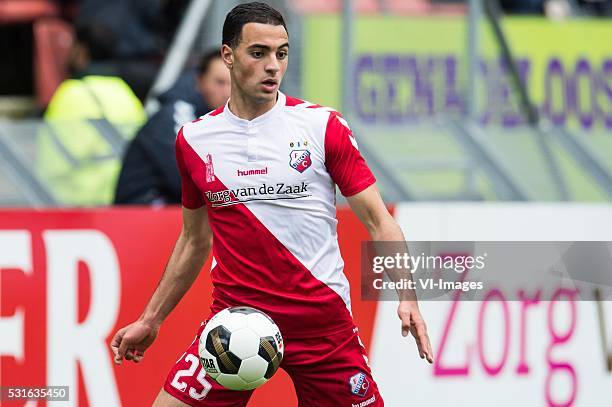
[133, 21]
[150, 174]
[601, 8]
[144, 30]
[559, 9]
[562, 9]
[523, 6]
[90, 116]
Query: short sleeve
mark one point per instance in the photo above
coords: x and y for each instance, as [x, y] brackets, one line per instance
[344, 163]
[191, 197]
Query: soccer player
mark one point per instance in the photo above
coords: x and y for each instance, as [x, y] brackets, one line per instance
[258, 186]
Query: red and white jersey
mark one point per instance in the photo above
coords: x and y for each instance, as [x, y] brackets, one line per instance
[269, 187]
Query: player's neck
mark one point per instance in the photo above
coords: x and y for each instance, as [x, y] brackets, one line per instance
[248, 108]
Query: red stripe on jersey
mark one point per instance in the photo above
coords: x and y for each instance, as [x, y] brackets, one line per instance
[194, 172]
[255, 269]
[190, 169]
[213, 113]
[291, 101]
[217, 110]
[344, 163]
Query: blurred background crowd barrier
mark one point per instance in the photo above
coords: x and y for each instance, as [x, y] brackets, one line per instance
[450, 100]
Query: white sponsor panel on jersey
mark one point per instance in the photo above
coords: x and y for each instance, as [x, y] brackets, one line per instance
[294, 197]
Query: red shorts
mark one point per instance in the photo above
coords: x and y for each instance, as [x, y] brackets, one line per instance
[328, 371]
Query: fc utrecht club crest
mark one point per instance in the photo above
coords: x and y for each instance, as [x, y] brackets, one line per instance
[359, 384]
[300, 160]
[210, 170]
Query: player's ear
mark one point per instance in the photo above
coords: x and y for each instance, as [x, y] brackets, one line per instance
[227, 54]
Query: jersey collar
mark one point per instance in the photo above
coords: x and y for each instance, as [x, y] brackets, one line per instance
[280, 103]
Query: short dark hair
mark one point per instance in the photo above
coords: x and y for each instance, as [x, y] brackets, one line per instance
[206, 59]
[254, 12]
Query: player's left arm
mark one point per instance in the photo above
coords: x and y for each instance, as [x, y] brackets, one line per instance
[372, 212]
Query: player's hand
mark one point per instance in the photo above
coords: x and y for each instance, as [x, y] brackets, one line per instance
[130, 342]
[412, 321]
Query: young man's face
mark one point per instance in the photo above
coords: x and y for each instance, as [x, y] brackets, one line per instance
[259, 61]
[215, 84]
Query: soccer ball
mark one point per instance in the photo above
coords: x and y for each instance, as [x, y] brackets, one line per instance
[240, 348]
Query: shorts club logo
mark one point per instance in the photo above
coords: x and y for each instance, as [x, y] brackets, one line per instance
[359, 384]
[300, 160]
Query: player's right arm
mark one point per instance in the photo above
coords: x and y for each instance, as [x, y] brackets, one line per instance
[186, 261]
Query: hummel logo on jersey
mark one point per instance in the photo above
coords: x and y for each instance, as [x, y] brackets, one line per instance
[300, 160]
[244, 173]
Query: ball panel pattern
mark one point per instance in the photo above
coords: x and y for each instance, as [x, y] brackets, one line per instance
[261, 324]
[231, 381]
[240, 348]
[252, 369]
[269, 352]
[234, 322]
[273, 366]
[217, 344]
[255, 384]
[243, 343]
[243, 310]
